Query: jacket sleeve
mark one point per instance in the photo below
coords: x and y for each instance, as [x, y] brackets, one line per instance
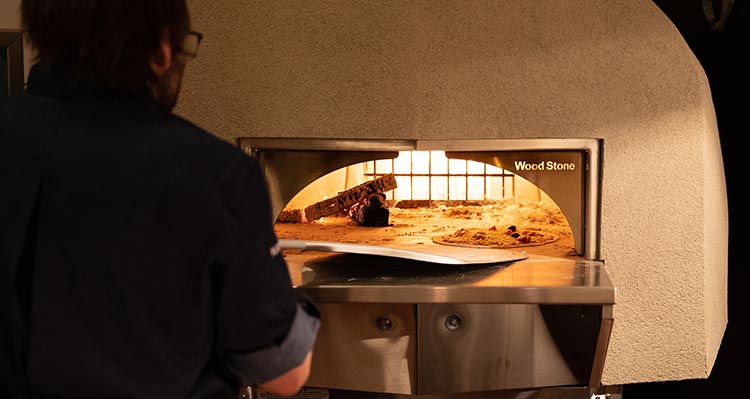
[265, 327]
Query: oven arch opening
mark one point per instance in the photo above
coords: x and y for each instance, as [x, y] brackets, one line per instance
[290, 164]
[432, 198]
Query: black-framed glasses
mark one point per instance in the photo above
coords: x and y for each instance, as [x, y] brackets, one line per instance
[191, 43]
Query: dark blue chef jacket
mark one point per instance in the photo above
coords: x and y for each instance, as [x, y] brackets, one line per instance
[137, 255]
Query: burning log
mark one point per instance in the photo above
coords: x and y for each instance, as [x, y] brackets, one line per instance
[291, 216]
[371, 211]
[346, 199]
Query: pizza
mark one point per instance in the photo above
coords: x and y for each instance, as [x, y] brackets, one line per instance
[493, 237]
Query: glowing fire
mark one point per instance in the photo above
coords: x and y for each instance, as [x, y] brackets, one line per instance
[430, 175]
[424, 175]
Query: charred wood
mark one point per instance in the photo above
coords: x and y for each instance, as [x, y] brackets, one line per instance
[370, 211]
[346, 199]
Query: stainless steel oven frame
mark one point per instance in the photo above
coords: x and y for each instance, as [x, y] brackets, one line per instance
[536, 325]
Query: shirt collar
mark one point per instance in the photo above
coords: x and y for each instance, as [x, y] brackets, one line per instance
[59, 82]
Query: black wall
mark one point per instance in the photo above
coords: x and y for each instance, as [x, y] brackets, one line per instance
[724, 55]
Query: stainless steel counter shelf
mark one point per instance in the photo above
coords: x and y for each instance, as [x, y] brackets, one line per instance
[535, 280]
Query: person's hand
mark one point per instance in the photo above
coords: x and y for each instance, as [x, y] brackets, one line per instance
[290, 382]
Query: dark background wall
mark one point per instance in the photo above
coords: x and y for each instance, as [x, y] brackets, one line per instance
[725, 57]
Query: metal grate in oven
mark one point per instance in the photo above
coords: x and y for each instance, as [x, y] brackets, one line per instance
[431, 176]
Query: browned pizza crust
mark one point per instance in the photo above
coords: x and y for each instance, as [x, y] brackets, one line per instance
[493, 237]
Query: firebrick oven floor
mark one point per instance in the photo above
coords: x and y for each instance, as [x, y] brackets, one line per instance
[521, 225]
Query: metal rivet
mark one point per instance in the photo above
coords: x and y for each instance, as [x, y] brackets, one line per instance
[454, 322]
[384, 323]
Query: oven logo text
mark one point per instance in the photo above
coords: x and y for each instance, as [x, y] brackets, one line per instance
[545, 165]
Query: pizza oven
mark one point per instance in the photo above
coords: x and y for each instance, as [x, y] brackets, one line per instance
[445, 268]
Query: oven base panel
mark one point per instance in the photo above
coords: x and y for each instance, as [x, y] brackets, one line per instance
[429, 349]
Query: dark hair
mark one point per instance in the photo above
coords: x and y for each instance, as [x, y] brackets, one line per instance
[109, 41]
